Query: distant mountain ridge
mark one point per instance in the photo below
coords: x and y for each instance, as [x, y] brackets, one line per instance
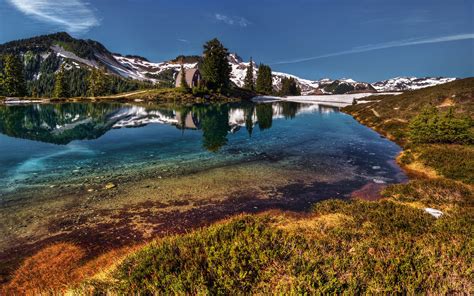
[87, 54]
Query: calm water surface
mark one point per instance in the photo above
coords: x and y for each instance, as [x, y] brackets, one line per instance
[43, 145]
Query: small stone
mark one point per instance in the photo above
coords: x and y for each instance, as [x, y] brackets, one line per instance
[110, 185]
[434, 212]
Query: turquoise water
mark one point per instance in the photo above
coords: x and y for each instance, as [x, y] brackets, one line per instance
[47, 144]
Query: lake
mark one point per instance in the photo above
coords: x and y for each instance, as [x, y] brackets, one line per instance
[111, 174]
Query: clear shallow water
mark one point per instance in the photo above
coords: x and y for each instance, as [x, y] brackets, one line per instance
[42, 145]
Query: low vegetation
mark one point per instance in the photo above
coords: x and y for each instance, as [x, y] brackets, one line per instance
[390, 246]
[432, 127]
[451, 161]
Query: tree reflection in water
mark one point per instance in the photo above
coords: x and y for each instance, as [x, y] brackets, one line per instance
[63, 123]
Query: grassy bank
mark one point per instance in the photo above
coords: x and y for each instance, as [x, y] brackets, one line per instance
[158, 94]
[391, 116]
[388, 246]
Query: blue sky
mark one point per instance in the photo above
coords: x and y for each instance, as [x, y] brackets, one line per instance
[366, 40]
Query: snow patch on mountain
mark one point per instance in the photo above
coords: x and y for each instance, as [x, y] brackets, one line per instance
[145, 70]
[409, 83]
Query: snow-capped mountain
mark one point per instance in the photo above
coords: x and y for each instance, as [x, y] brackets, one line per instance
[50, 51]
[138, 68]
[409, 83]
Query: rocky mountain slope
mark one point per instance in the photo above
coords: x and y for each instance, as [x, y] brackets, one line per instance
[43, 55]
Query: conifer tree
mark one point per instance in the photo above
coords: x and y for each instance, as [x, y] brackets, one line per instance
[97, 83]
[13, 78]
[289, 87]
[183, 83]
[249, 82]
[2, 91]
[264, 80]
[60, 84]
[215, 66]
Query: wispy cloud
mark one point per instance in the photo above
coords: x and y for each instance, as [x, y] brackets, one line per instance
[182, 40]
[397, 21]
[232, 20]
[74, 16]
[392, 44]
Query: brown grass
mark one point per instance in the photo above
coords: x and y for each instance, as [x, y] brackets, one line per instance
[60, 267]
[51, 269]
[448, 102]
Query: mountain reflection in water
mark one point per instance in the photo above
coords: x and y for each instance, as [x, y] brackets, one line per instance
[67, 122]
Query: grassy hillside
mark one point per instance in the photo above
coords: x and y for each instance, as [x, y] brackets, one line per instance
[391, 116]
[388, 246]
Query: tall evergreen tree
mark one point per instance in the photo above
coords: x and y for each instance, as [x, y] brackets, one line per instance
[60, 84]
[13, 77]
[264, 80]
[215, 66]
[289, 87]
[249, 82]
[2, 91]
[183, 83]
[97, 83]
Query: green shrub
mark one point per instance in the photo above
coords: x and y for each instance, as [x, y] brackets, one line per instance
[432, 192]
[432, 127]
[200, 91]
[407, 157]
[165, 84]
[452, 161]
[221, 260]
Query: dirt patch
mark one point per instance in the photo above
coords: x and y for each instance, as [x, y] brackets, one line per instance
[448, 102]
[370, 191]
